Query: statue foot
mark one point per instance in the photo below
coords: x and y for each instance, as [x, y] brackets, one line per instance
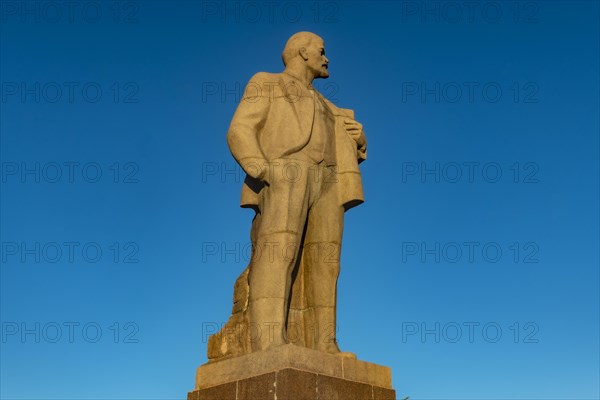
[347, 354]
[332, 348]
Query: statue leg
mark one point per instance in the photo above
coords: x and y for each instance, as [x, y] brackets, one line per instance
[277, 236]
[321, 255]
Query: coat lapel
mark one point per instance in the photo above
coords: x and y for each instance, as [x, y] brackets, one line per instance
[302, 102]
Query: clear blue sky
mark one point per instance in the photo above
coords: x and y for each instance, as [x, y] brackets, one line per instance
[471, 270]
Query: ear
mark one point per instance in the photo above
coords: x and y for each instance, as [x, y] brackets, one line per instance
[303, 53]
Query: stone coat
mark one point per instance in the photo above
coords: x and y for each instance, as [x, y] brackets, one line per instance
[273, 120]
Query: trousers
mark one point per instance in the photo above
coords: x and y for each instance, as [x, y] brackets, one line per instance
[299, 219]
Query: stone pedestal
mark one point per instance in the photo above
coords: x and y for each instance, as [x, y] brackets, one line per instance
[292, 372]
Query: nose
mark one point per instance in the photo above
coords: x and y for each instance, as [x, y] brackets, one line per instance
[326, 59]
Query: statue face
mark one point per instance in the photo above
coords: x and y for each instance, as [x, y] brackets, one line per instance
[316, 60]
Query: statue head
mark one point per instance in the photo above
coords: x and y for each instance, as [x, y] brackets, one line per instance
[305, 52]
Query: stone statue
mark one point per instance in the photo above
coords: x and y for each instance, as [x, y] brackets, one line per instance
[301, 154]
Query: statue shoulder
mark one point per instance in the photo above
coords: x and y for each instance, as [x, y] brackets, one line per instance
[265, 77]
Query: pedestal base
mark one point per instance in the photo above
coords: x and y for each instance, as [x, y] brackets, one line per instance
[292, 373]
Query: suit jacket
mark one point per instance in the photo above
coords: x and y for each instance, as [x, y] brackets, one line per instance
[274, 119]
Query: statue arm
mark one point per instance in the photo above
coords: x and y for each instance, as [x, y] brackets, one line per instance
[249, 118]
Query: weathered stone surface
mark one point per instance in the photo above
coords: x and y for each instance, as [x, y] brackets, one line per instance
[340, 389]
[366, 372]
[380, 393]
[240, 293]
[258, 387]
[291, 356]
[293, 384]
[296, 385]
[221, 392]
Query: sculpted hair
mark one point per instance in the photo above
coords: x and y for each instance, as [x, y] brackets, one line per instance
[295, 43]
